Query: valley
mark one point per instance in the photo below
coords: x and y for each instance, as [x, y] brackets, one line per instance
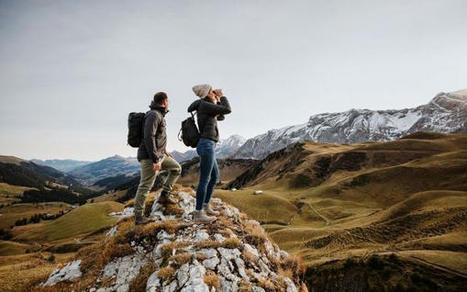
[385, 214]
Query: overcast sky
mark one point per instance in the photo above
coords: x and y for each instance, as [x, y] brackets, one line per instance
[71, 71]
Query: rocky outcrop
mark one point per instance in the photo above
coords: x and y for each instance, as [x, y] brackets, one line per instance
[70, 272]
[174, 254]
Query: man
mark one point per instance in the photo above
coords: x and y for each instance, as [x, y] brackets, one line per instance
[153, 156]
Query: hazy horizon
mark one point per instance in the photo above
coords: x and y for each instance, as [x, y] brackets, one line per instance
[72, 71]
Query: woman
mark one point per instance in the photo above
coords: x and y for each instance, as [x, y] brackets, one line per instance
[211, 107]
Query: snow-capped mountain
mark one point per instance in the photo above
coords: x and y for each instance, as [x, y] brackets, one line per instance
[183, 156]
[108, 167]
[224, 149]
[445, 113]
[227, 147]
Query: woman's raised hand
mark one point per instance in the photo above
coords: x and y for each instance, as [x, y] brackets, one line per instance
[218, 93]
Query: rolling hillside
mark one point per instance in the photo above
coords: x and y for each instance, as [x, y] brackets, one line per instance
[20, 172]
[332, 202]
[80, 221]
[105, 168]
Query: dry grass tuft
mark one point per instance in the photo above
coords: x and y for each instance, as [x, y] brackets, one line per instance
[293, 265]
[226, 232]
[91, 257]
[125, 231]
[181, 258]
[207, 244]
[285, 273]
[173, 209]
[232, 242]
[200, 257]
[255, 234]
[173, 225]
[267, 284]
[112, 251]
[167, 249]
[150, 229]
[166, 273]
[227, 243]
[139, 283]
[212, 280]
[245, 286]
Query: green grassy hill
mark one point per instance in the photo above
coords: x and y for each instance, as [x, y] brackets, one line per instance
[10, 214]
[332, 202]
[80, 221]
[11, 193]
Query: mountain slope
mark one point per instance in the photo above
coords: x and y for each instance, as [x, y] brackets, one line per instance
[341, 202]
[183, 156]
[224, 149]
[64, 165]
[227, 147]
[445, 113]
[109, 167]
[17, 171]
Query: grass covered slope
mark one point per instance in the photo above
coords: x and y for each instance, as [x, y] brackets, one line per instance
[10, 214]
[11, 193]
[85, 219]
[354, 200]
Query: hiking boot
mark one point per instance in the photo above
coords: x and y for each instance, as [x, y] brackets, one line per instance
[201, 217]
[167, 198]
[209, 211]
[142, 220]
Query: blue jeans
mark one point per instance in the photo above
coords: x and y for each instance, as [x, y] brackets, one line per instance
[209, 172]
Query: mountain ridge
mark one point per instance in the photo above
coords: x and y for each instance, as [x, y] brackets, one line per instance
[446, 112]
[64, 165]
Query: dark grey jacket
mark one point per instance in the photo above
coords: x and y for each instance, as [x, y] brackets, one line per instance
[155, 137]
[208, 114]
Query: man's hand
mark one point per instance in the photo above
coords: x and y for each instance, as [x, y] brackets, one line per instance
[157, 166]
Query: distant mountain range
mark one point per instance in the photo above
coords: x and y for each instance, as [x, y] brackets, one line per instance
[17, 171]
[109, 167]
[64, 165]
[445, 113]
[224, 149]
[227, 147]
[184, 156]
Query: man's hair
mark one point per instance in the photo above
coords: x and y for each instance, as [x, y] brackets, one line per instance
[160, 97]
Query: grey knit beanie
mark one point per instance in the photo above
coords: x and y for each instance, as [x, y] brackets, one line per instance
[202, 90]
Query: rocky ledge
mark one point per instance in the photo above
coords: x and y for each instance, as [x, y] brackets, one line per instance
[172, 254]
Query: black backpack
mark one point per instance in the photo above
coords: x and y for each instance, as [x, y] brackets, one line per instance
[189, 132]
[135, 129]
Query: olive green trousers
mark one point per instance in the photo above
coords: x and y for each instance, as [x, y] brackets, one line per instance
[148, 177]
